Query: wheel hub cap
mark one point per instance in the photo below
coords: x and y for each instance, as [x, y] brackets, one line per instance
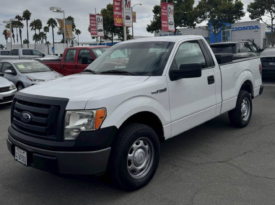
[245, 109]
[139, 157]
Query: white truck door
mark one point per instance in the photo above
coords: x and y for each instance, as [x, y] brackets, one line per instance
[192, 100]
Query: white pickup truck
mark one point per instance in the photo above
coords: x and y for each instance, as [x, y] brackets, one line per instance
[112, 117]
[25, 53]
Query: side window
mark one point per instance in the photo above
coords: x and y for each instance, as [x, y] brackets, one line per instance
[14, 52]
[86, 53]
[70, 55]
[244, 48]
[27, 52]
[1, 67]
[7, 66]
[5, 53]
[253, 47]
[37, 53]
[188, 53]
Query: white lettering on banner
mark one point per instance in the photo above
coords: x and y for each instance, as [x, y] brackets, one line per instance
[244, 28]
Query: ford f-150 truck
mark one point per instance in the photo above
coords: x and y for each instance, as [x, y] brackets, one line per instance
[112, 117]
[75, 59]
[25, 53]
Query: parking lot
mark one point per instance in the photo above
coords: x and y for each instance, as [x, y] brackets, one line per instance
[214, 163]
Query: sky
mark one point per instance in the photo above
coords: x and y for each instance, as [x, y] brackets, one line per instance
[80, 10]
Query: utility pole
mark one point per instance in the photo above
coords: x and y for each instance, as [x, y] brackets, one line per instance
[124, 26]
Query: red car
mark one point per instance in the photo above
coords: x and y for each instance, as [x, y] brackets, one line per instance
[75, 59]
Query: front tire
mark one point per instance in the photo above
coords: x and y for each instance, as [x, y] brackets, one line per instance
[20, 86]
[241, 115]
[135, 156]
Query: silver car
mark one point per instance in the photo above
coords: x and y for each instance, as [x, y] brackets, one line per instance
[25, 73]
[7, 90]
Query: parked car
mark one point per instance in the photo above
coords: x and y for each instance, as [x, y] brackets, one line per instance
[7, 90]
[268, 62]
[137, 94]
[242, 49]
[4, 52]
[75, 59]
[24, 53]
[25, 73]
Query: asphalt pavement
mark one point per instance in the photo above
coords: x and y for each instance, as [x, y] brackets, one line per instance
[214, 163]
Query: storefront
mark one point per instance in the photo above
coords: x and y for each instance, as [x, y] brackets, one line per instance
[241, 31]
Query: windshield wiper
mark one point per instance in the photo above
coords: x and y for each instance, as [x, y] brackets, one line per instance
[117, 72]
[89, 71]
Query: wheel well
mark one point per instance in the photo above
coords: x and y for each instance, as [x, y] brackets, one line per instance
[247, 86]
[19, 83]
[149, 119]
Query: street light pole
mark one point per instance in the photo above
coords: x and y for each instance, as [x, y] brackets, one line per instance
[133, 19]
[124, 26]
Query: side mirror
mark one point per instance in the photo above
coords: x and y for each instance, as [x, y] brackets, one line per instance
[1, 74]
[9, 72]
[186, 71]
[225, 58]
[43, 55]
[84, 60]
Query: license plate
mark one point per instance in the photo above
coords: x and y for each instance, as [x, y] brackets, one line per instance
[271, 63]
[1, 97]
[21, 156]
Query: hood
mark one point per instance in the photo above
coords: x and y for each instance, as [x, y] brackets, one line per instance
[82, 87]
[4, 82]
[47, 76]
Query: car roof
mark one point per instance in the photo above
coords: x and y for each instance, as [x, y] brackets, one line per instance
[89, 47]
[17, 61]
[164, 38]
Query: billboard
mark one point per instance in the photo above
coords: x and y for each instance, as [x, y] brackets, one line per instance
[128, 13]
[8, 33]
[167, 17]
[117, 7]
[93, 25]
[99, 22]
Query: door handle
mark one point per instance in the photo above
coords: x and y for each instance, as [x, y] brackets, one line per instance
[211, 80]
[63, 66]
[75, 66]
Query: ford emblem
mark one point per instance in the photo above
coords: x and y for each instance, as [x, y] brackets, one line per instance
[25, 117]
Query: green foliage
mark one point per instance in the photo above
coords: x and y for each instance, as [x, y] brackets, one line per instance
[184, 15]
[2, 46]
[26, 41]
[219, 12]
[263, 10]
[110, 30]
[27, 16]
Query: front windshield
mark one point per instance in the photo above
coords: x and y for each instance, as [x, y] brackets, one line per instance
[98, 51]
[141, 58]
[31, 67]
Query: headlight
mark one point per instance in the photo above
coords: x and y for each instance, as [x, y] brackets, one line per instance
[82, 120]
[34, 79]
[12, 87]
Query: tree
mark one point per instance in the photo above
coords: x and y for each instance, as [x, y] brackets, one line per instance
[263, 8]
[36, 37]
[5, 33]
[46, 29]
[2, 46]
[219, 12]
[77, 32]
[19, 25]
[184, 16]
[26, 41]
[52, 23]
[27, 16]
[33, 26]
[110, 30]
[42, 36]
[48, 44]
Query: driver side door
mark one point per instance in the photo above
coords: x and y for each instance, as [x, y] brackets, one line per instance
[11, 77]
[192, 100]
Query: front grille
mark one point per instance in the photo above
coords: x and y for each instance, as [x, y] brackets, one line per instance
[46, 117]
[4, 89]
[6, 99]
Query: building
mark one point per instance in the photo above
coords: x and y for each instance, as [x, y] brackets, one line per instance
[240, 31]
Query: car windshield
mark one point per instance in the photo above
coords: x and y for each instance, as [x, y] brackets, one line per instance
[141, 58]
[98, 51]
[227, 48]
[31, 67]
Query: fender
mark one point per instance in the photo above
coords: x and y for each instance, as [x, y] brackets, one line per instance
[136, 105]
[246, 75]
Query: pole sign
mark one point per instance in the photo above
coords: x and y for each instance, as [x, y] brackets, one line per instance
[134, 16]
[167, 17]
[93, 25]
[8, 33]
[128, 14]
[117, 6]
[99, 22]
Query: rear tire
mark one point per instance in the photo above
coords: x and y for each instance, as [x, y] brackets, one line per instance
[241, 115]
[135, 156]
[20, 86]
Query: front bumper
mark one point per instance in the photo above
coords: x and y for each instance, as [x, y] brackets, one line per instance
[7, 97]
[64, 162]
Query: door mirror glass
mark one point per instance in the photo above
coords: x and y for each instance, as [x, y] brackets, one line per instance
[1, 74]
[8, 71]
[186, 71]
[84, 60]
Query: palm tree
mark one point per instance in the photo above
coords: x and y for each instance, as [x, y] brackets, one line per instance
[5, 33]
[48, 43]
[46, 30]
[2, 46]
[77, 32]
[18, 24]
[33, 28]
[38, 24]
[36, 37]
[26, 41]
[42, 36]
[52, 23]
[27, 16]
